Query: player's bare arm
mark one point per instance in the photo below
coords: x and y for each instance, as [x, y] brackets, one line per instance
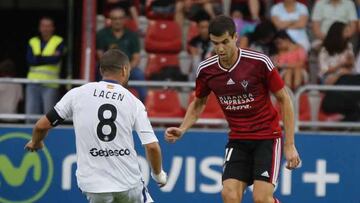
[193, 112]
[291, 154]
[40, 130]
[153, 154]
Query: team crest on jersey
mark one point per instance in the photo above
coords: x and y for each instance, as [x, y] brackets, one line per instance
[244, 83]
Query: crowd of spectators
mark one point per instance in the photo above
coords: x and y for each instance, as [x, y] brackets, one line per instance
[289, 31]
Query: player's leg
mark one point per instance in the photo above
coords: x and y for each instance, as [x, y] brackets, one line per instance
[233, 190]
[99, 197]
[263, 192]
[267, 158]
[237, 170]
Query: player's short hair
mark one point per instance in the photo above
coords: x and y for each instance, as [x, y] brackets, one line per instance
[222, 24]
[113, 60]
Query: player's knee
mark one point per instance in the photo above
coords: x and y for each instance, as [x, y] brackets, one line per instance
[259, 198]
[230, 195]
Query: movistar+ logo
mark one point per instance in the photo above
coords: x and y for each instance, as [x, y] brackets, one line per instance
[24, 176]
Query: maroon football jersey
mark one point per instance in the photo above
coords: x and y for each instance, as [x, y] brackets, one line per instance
[243, 92]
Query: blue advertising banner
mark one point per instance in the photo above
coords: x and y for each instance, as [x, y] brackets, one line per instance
[329, 173]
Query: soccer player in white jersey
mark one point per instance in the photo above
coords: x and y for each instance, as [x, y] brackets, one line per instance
[104, 115]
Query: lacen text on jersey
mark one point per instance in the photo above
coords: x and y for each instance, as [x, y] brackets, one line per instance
[108, 94]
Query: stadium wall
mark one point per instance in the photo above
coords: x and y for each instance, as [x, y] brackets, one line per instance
[329, 173]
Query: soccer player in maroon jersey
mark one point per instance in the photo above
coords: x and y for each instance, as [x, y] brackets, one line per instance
[242, 80]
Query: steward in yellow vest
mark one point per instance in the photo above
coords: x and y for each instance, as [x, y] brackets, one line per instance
[44, 54]
[45, 69]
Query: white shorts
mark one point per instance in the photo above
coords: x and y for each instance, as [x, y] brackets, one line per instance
[139, 194]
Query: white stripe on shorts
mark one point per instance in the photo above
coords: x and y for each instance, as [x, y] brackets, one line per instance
[277, 160]
[226, 151]
[229, 154]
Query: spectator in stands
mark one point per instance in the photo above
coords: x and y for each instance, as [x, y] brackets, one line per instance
[162, 7]
[336, 59]
[119, 37]
[200, 46]
[127, 5]
[44, 54]
[293, 17]
[251, 9]
[261, 39]
[243, 26]
[357, 48]
[290, 59]
[337, 68]
[190, 8]
[346, 103]
[326, 12]
[305, 2]
[11, 93]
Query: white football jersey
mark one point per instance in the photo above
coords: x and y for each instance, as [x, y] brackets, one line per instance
[104, 116]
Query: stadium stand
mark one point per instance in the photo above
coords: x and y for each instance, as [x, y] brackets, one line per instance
[163, 36]
[322, 116]
[156, 62]
[163, 104]
[192, 31]
[309, 104]
[164, 43]
[131, 25]
[159, 9]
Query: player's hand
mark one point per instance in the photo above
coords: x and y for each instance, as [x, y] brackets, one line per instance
[172, 134]
[31, 146]
[292, 157]
[160, 178]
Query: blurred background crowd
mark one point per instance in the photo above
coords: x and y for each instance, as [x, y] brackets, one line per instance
[310, 41]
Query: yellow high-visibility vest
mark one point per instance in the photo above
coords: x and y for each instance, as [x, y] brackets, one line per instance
[47, 71]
